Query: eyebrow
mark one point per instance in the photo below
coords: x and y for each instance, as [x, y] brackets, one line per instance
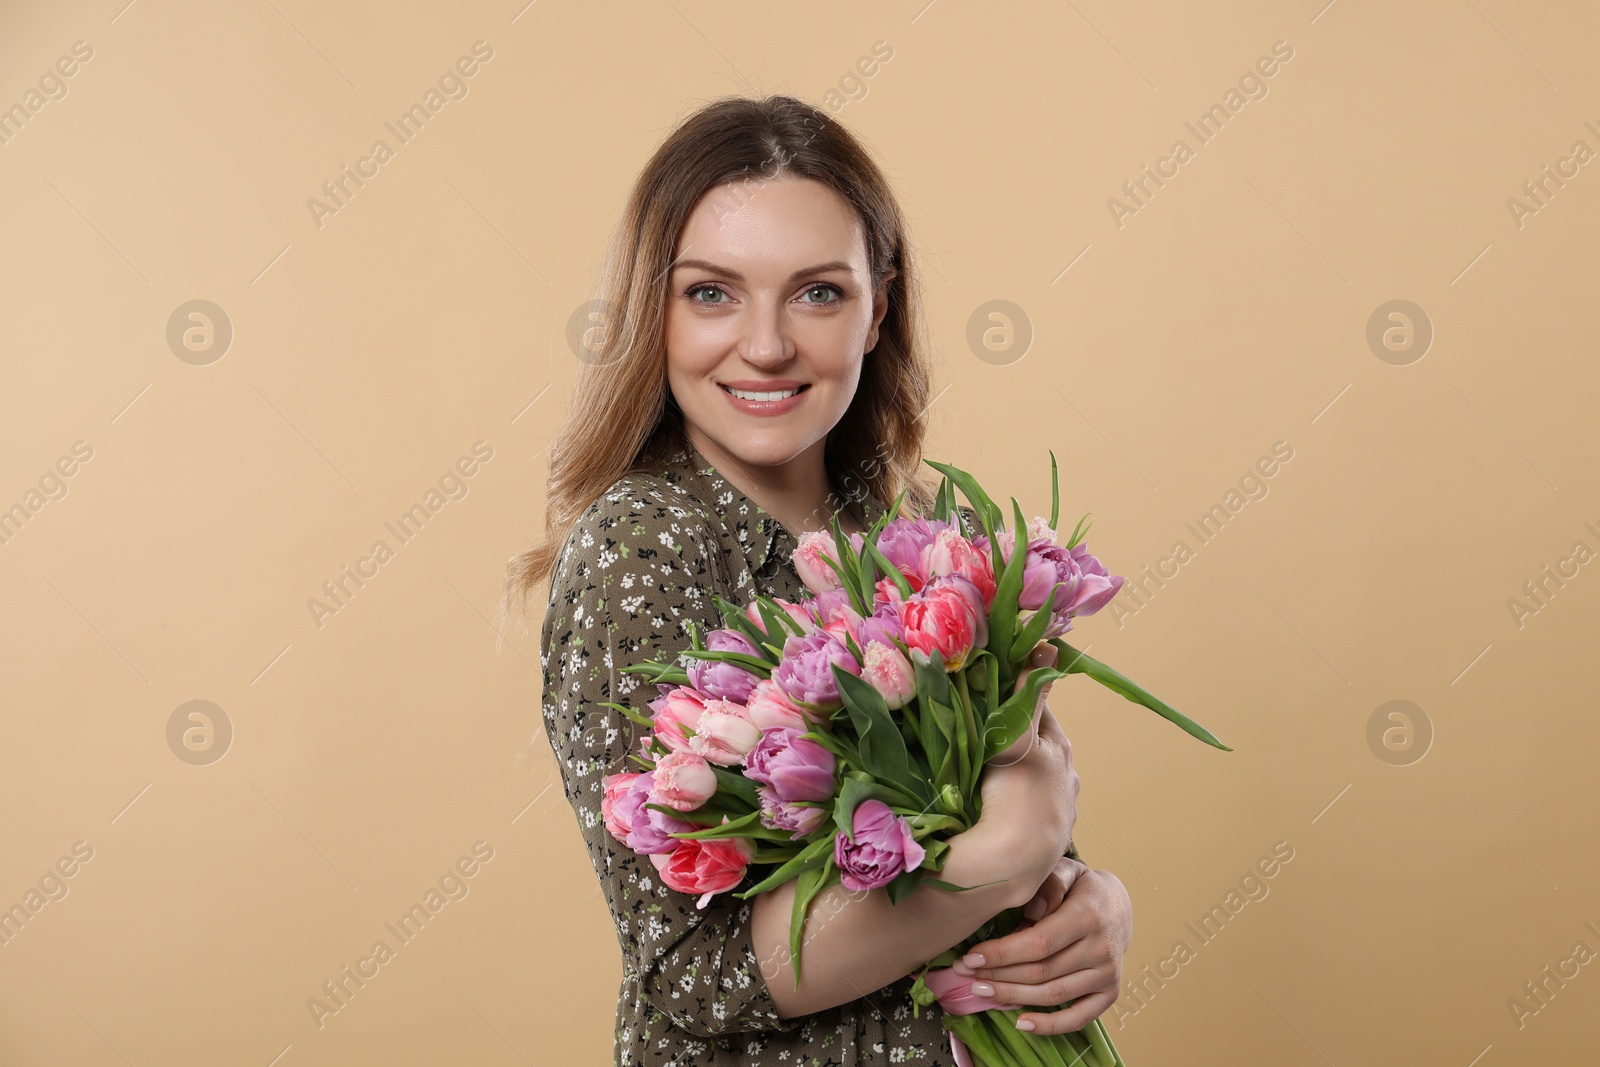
[712, 268]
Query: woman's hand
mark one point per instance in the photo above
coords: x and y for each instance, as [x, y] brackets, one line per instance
[1043, 655]
[1029, 803]
[1068, 948]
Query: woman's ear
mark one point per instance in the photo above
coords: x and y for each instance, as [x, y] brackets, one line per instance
[880, 308]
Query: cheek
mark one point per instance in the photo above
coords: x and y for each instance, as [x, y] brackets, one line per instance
[693, 345]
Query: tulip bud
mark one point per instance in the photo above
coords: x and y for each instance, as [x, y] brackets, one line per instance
[890, 673]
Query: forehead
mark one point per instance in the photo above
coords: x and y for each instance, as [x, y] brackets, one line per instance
[779, 223]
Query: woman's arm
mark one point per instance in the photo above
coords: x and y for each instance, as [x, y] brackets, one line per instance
[854, 944]
[639, 569]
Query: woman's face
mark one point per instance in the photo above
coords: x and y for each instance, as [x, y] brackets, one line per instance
[769, 296]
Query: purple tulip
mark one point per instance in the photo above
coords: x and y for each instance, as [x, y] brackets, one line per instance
[903, 540]
[883, 626]
[721, 679]
[825, 607]
[796, 767]
[805, 673]
[780, 814]
[650, 828]
[1086, 587]
[883, 846]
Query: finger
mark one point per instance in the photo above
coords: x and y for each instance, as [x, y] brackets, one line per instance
[1054, 731]
[1044, 901]
[1030, 944]
[1077, 952]
[1058, 980]
[1054, 890]
[1082, 1012]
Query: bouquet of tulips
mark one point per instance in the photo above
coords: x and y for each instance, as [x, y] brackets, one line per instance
[843, 738]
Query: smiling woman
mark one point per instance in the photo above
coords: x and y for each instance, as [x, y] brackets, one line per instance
[762, 374]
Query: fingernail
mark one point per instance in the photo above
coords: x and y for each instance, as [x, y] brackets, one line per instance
[974, 959]
[962, 969]
[1024, 1024]
[983, 989]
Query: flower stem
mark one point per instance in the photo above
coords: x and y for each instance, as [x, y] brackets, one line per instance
[1017, 1041]
[1101, 1043]
[1080, 1048]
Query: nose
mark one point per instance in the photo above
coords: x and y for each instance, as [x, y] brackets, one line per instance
[766, 342]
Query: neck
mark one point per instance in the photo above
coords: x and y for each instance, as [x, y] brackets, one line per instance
[797, 493]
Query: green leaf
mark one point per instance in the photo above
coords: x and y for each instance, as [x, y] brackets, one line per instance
[1032, 632]
[903, 885]
[932, 681]
[1079, 530]
[812, 855]
[848, 568]
[807, 886]
[943, 501]
[1013, 718]
[894, 509]
[988, 512]
[889, 569]
[853, 789]
[754, 664]
[737, 620]
[841, 748]
[1076, 662]
[1055, 491]
[744, 826]
[1008, 587]
[951, 887]
[630, 713]
[659, 673]
[883, 748]
[732, 781]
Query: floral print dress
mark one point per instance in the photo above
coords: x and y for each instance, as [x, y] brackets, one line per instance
[640, 565]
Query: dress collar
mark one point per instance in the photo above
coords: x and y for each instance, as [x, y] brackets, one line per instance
[763, 538]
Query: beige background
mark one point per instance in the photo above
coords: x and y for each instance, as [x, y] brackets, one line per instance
[370, 752]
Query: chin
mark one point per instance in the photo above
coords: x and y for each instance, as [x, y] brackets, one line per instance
[768, 450]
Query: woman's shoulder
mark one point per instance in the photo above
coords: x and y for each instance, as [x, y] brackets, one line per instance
[638, 514]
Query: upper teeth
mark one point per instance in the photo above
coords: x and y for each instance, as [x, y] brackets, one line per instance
[745, 394]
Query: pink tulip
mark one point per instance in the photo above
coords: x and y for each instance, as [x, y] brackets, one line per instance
[616, 787]
[679, 707]
[955, 992]
[889, 672]
[809, 556]
[946, 621]
[706, 867]
[799, 614]
[769, 708]
[950, 553]
[888, 592]
[684, 780]
[834, 613]
[725, 733]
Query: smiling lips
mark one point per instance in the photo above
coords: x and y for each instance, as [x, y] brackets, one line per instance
[764, 398]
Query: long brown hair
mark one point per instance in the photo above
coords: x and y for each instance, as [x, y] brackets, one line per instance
[623, 419]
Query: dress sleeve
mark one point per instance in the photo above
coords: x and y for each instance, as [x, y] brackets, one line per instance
[634, 574]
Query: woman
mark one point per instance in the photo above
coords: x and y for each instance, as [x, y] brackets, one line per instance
[756, 368]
